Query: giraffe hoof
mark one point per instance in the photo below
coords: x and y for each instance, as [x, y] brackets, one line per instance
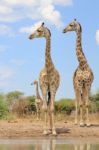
[54, 133]
[45, 133]
[88, 124]
[82, 124]
[75, 123]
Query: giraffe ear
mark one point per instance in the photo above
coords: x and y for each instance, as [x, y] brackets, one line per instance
[42, 23]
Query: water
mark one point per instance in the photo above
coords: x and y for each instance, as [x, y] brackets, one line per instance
[50, 144]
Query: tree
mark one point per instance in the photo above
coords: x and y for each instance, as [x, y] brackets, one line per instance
[11, 96]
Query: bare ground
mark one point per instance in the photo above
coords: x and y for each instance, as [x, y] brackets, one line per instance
[29, 128]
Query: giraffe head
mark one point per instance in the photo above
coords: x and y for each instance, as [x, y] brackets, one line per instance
[40, 32]
[73, 26]
[34, 82]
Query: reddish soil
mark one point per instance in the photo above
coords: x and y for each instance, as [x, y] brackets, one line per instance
[28, 128]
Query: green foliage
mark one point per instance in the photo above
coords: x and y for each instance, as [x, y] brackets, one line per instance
[3, 107]
[25, 105]
[95, 101]
[31, 104]
[31, 99]
[11, 96]
[64, 106]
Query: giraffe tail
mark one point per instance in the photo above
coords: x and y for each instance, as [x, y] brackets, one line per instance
[49, 98]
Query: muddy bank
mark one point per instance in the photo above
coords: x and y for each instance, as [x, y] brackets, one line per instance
[28, 128]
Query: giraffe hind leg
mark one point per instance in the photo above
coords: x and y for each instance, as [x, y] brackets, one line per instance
[87, 106]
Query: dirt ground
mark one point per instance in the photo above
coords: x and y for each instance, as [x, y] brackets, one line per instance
[29, 128]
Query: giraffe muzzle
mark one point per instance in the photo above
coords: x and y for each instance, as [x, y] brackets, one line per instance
[64, 31]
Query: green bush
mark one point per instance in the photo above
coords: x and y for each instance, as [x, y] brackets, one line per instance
[3, 107]
[95, 101]
[64, 106]
[12, 96]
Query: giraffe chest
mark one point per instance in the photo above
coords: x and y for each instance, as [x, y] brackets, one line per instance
[83, 76]
[50, 79]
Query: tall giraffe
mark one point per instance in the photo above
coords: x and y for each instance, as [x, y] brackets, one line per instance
[49, 78]
[38, 100]
[83, 76]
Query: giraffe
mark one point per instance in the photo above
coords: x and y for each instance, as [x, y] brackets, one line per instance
[83, 77]
[49, 79]
[38, 100]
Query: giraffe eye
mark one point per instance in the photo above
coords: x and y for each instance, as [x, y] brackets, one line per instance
[39, 30]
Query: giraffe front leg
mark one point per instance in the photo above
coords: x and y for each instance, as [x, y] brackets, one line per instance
[77, 93]
[87, 112]
[44, 107]
[76, 113]
[86, 92]
[36, 112]
[37, 115]
[81, 115]
[81, 110]
[50, 120]
[52, 114]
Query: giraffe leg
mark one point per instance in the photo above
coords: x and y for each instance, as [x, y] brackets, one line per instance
[87, 108]
[76, 113]
[81, 109]
[37, 115]
[50, 119]
[45, 132]
[52, 113]
[36, 112]
[76, 108]
[81, 115]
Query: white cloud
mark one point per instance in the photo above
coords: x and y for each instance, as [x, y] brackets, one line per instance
[49, 13]
[97, 36]
[17, 62]
[14, 10]
[30, 29]
[63, 2]
[6, 72]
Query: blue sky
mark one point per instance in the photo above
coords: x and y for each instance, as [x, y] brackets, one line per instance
[21, 59]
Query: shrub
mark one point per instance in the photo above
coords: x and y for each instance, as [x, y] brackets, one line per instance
[64, 106]
[3, 107]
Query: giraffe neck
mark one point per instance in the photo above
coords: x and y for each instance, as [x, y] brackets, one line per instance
[48, 60]
[37, 91]
[79, 52]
